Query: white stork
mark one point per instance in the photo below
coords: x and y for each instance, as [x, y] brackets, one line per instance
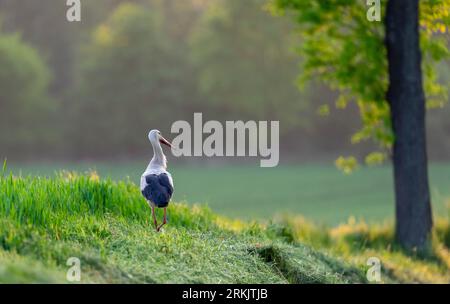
[156, 182]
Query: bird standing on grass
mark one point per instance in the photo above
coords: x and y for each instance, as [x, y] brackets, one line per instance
[156, 182]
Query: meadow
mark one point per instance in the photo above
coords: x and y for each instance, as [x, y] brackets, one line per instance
[46, 221]
[319, 192]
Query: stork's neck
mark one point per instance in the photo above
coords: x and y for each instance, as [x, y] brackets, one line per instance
[159, 159]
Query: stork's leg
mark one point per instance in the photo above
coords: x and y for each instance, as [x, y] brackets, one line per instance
[154, 219]
[164, 219]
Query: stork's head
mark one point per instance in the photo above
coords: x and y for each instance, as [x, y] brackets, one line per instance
[155, 137]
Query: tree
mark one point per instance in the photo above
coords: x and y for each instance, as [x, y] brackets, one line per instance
[407, 103]
[347, 51]
[25, 107]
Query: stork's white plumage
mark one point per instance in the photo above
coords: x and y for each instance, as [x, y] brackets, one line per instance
[156, 181]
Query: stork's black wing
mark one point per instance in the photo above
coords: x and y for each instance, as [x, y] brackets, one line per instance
[158, 189]
[165, 182]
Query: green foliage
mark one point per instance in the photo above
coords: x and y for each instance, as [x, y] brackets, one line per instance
[435, 28]
[375, 158]
[346, 164]
[346, 51]
[24, 80]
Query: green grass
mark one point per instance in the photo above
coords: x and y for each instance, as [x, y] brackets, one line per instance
[45, 221]
[319, 192]
[106, 225]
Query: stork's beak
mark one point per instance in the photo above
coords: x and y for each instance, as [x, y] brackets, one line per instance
[165, 141]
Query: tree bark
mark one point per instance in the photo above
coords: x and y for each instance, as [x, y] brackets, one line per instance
[407, 103]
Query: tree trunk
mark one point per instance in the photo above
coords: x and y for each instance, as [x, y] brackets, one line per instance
[407, 102]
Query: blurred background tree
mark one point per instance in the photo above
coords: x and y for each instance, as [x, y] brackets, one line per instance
[129, 78]
[229, 59]
[26, 107]
[246, 63]
[43, 25]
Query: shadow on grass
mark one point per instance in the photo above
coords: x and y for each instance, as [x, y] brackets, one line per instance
[302, 265]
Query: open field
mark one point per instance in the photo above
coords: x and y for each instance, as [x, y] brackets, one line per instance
[44, 222]
[318, 192]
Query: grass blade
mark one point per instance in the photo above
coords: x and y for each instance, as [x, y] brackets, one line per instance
[5, 166]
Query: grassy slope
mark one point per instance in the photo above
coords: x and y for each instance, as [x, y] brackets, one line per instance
[319, 192]
[43, 222]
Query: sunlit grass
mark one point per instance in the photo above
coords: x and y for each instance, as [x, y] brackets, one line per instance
[106, 223]
[317, 191]
[356, 241]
